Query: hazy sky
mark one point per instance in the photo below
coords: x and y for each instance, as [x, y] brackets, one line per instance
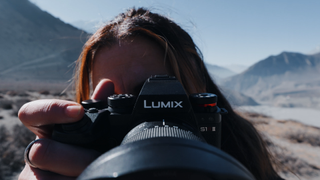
[227, 31]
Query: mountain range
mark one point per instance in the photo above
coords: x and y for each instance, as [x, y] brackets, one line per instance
[235, 98]
[35, 45]
[218, 72]
[288, 79]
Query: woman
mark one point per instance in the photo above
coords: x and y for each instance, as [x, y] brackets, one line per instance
[118, 58]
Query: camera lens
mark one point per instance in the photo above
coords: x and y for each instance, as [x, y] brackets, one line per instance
[157, 129]
[166, 158]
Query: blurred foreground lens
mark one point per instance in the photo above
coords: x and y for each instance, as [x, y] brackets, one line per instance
[166, 158]
[167, 175]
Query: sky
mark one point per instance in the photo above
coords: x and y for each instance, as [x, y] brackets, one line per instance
[228, 32]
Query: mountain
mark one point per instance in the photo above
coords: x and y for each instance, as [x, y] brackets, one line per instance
[285, 62]
[218, 72]
[238, 99]
[288, 79]
[237, 68]
[35, 46]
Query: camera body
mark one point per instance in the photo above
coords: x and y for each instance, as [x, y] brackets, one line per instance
[162, 109]
[163, 133]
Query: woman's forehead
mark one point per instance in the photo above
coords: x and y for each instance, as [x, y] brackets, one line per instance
[129, 63]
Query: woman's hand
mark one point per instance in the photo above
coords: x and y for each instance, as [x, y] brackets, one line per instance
[52, 159]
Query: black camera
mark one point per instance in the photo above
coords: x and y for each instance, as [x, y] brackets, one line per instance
[161, 134]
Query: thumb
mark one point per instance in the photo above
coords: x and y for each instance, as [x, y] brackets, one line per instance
[103, 90]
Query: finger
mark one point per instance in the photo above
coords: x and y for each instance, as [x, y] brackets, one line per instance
[29, 173]
[39, 115]
[103, 90]
[61, 158]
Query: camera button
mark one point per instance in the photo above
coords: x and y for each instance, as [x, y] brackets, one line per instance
[93, 110]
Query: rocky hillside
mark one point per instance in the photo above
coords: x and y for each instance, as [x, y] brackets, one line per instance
[288, 79]
[35, 46]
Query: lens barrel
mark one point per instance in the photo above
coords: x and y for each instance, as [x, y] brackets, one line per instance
[166, 158]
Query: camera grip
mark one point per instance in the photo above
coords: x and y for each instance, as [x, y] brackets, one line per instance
[86, 133]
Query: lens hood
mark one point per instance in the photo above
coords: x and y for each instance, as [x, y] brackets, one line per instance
[166, 158]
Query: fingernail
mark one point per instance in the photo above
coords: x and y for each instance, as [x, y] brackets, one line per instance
[73, 111]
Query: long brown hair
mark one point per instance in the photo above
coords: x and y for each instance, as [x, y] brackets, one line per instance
[239, 137]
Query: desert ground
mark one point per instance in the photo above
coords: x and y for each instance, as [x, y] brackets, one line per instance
[14, 137]
[296, 146]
